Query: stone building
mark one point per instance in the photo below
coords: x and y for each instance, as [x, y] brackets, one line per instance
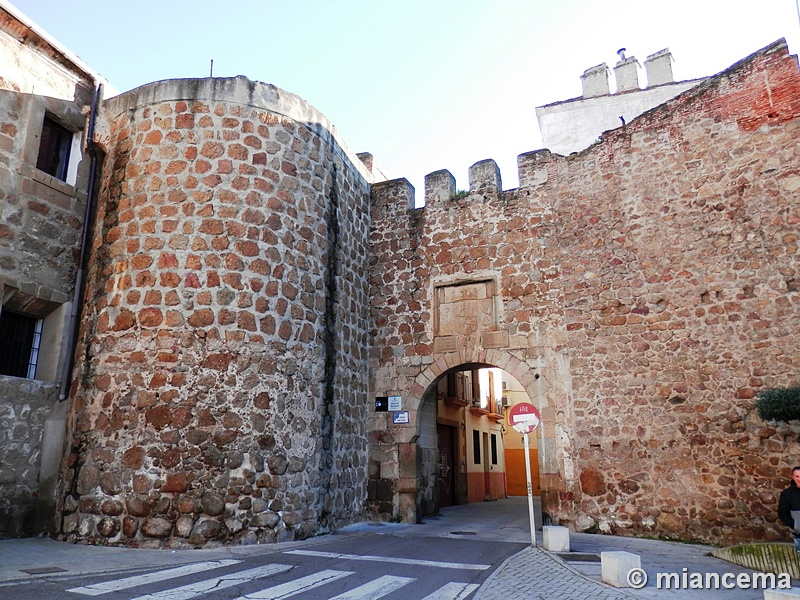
[44, 181]
[251, 287]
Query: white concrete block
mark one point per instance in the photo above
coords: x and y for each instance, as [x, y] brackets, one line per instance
[555, 538]
[791, 593]
[615, 567]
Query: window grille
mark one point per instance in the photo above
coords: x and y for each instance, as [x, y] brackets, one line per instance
[20, 339]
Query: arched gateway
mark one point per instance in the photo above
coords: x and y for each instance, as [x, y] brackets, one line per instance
[458, 320]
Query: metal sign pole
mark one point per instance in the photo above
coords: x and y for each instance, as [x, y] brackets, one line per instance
[530, 489]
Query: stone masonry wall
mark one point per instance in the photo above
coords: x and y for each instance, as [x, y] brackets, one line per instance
[41, 220]
[40, 217]
[222, 394]
[648, 287]
[681, 300]
[26, 404]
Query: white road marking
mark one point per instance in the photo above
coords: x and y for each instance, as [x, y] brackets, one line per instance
[200, 588]
[284, 590]
[392, 560]
[377, 588]
[453, 591]
[106, 587]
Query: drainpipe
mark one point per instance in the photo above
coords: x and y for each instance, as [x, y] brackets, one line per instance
[72, 330]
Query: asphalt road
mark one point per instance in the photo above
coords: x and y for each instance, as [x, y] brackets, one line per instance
[359, 564]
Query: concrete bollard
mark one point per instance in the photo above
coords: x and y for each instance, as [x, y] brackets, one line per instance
[615, 567]
[791, 593]
[555, 538]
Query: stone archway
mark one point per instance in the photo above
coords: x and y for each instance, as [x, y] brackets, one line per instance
[401, 455]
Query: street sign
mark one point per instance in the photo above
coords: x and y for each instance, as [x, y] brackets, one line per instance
[395, 403]
[400, 418]
[524, 417]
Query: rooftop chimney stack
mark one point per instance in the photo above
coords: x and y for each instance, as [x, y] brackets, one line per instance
[595, 81]
[659, 68]
[626, 73]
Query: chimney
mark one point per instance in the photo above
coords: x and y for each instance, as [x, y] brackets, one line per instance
[659, 68]
[595, 81]
[626, 73]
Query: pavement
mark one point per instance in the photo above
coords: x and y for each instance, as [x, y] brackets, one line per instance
[532, 573]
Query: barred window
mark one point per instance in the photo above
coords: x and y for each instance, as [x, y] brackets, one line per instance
[20, 337]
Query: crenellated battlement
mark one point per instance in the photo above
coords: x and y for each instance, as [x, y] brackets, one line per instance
[440, 186]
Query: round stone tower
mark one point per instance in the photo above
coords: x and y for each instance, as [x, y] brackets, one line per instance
[220, 392]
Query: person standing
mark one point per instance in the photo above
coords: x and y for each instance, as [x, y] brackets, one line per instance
[789, 507]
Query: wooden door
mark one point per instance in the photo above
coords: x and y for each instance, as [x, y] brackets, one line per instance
[446, 467]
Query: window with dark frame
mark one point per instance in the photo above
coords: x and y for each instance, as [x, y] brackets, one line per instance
[20, 336]
[476, 446]
[494, 449]
[54, 148]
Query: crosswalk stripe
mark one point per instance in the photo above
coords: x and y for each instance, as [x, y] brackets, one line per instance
[377, 588]
[106, 587]
[200, 588]
[393, 560]
[453, 591]
[290, 588]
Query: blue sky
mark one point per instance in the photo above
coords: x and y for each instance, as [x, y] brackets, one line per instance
[423, 85]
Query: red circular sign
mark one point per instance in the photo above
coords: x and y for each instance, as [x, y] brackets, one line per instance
[524, 417]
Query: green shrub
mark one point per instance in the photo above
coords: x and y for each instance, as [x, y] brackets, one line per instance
[779, 404]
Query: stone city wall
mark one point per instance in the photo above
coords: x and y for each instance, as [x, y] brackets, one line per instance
[648, 289]
[222, 391]
[25, 407]
[681, 301]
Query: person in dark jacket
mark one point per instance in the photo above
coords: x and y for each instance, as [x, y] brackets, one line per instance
[789, 507]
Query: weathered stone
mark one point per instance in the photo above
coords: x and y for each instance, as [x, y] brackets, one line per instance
[108, 527]
[212, 504]
[86, 525]
[176, 482]
[88, 479]
[592, 483]
[265, 519]
[113, 508]
[130, 527]
[234, 526]
[240, 251]
[133, 458]
[109, 484]
[156, 527]
[234, 459]
[137, 507]
[277, 464]
[184, 526]
[188, 505]
[207, 528]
